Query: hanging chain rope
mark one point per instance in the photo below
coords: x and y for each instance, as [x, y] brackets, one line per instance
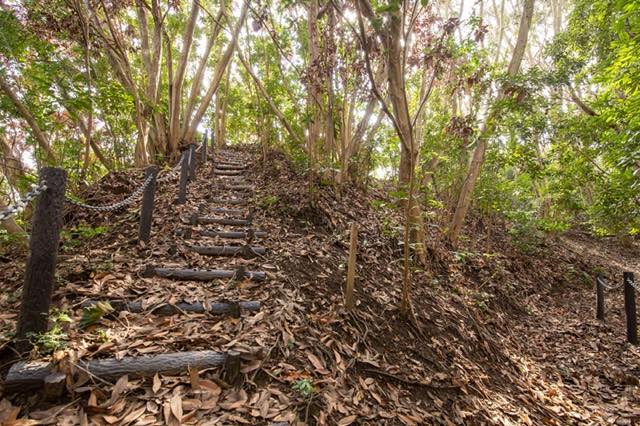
[171, 173]
[36, 189]
[633, 284]
[115, 206]
[609, 286]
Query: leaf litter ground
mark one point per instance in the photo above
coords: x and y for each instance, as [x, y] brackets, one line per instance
[498, 337]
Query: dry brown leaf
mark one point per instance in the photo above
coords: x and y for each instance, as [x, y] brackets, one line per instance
[211, 387]
[195, 378]
[347, 420]
[157, 383]
[8, 413]
[110, 419]
[176, 406]
[317, 363]
[134, 415]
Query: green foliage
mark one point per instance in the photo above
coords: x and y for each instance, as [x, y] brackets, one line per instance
[305, 387]
[76, 236]
[54, 339]
[268, 201]
[92, 314]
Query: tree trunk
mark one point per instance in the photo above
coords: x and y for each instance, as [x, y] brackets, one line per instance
[24, 112]
[314, 85]
[198, 77]
[217, 75]
[464, 200]
[272, 105]
[178, 78]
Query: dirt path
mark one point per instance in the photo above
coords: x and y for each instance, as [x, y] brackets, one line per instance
[586, 364]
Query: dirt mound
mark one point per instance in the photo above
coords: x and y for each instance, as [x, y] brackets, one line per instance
[493, 322]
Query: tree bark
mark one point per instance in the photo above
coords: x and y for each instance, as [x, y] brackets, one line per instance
[32, 374]
[314, 85]
[269, 100]
[24, 112]
[198, 77]
[477, 160]
[178, 78]
[217, 75]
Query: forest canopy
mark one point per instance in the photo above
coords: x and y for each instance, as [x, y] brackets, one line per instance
[527, 110]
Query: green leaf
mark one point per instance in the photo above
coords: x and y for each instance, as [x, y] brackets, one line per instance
[92, 314]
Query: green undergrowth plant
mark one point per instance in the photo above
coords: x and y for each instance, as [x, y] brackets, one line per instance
[75, 236]
[268, 201]
[54, 339]
[94, 313]
[305, 387]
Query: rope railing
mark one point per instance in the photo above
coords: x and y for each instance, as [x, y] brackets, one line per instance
[609, 286]
[114, 206]
[48, 219]
[36, 190]
[633, 284]
[171, 173]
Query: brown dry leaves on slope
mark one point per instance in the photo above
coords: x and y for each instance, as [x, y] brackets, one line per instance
[494, 340]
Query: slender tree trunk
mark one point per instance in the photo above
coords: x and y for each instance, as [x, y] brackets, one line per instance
[272, 105]
[464, 200]
[501, 24]
[315, 83]
[329, 119]
[13, 170]
[198, 77]
[24, 112]
[217, 75]
[225, 103]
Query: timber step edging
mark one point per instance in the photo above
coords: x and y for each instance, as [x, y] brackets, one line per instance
[232, 234]
[166, 309]
[246, 250]
[34, 373]
[202, 274]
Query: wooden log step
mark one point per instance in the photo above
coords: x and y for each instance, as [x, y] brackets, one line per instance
[229, 161]
[219, 220]
[180, 307]
[235, 180]
[230, 201]
[248, 251]
[238, 187]
[227, 172]
[34, 373]
[201, 274]
[226, 166]
[232, 234]
[228, 158]
[223, 210]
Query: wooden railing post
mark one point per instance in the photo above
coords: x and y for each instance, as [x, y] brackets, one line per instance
[630, 308]
[146, 209]
[204, 148]
[184, 176]
[41, 266]
[599, 298]
[351, 267]
[192, 161]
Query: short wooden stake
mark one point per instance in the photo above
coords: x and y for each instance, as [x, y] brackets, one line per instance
[351, 269]
[599, 298]
[630, 308]
[192, 161]
[146, 210]
[41, 266]
[231, 371]
[184, 176]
